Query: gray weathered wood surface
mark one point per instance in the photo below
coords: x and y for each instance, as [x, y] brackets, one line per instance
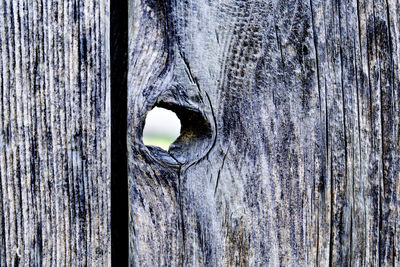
[289, 153]
[54, 133]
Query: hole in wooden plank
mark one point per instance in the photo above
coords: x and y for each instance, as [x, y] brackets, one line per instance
[195, 134]
[162, 127]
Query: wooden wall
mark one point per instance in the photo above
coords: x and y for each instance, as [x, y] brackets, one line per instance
[54, 133]
[289, 150]
[289, 154]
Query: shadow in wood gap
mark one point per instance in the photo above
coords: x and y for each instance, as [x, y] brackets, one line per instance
[119, 168]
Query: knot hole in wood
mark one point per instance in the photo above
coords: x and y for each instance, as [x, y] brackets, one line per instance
[196, 133]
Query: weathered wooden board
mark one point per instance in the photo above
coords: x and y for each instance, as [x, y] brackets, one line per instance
[289, 151]
[54, 133]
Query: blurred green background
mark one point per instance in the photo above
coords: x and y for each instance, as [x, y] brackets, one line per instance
[159, 140]
[162, 127]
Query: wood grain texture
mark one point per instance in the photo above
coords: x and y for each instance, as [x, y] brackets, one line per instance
[289, 150]
[54, 133]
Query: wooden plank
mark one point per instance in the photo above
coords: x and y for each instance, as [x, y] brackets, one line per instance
[54, 133]
[290, 144]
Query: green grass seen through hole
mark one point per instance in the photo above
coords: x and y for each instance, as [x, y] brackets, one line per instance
[158, 140]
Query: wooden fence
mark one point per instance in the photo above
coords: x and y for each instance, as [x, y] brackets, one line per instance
[289, 148]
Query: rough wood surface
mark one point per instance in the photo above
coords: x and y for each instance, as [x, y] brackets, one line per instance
[289, 152]
[54, 133]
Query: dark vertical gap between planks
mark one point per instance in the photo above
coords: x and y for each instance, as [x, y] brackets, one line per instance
[119, 171]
